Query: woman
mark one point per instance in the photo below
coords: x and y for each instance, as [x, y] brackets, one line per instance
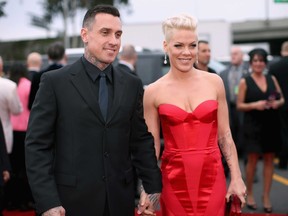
[191, 107]
[260, 97]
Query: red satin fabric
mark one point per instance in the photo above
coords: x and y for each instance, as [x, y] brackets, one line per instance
[193, 177]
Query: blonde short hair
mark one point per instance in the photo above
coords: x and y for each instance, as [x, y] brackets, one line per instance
[182, 21]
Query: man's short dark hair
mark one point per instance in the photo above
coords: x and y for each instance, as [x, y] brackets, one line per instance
[203, 41]
[102, 8]
[56, 51]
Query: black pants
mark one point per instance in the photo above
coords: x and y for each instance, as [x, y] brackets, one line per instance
[17, 190]
[106, 209]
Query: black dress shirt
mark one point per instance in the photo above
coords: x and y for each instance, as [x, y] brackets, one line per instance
[93, 73]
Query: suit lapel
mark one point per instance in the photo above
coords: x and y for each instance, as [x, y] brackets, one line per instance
[80, 80]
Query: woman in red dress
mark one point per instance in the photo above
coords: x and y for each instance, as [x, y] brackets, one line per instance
[190, 106]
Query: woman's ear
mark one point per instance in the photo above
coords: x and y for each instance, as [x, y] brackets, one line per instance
[165, 46]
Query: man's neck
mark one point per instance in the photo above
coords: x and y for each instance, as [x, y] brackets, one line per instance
[202, 67]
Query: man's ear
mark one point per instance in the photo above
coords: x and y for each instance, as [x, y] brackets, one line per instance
[84, 32]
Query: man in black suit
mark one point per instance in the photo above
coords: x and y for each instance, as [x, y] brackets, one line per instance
[57, 59]
[5, 166]
[127, 63]
[127, 59]
[280, 71]
[79, 159]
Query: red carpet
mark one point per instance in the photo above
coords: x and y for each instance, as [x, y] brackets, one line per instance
[31, 213]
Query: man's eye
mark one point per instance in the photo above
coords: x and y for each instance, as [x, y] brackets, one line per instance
[118, 35]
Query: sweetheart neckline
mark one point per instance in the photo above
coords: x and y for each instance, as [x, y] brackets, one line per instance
[185, 110]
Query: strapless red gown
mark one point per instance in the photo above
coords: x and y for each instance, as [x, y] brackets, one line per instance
[194, 183]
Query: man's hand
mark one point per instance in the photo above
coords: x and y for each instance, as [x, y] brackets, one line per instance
[148, 203]
[6, 176]
[57, 211]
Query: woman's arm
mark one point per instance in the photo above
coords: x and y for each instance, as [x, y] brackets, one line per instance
[151, 117]
[227, 146]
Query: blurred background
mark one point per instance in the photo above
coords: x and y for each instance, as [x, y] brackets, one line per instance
[31, 25]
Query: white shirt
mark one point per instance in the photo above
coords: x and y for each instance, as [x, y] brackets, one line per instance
[9, 104]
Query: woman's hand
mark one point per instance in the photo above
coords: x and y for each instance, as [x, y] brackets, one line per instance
[238, 188]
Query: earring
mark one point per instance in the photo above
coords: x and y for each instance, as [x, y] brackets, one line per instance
[165, 59]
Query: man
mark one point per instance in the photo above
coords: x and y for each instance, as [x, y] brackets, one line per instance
[5, 166]
[57, 59]
[9, 104]
[127, 63]
[280, 71]
[2, 73]
[204, 55]
[231, 78]
[80, 159]
[128, 59]
[34, 64]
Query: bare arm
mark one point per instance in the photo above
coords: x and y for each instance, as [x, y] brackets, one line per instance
[227, 146]
[151, 117]
[148, 202]
[277, 102]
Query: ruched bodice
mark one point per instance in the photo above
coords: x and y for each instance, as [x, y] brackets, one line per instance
[183, 130]
[193, 177]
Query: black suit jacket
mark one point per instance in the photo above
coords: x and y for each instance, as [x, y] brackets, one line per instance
[280, 71]
[36, 81]
[76, 159]
[4, 159]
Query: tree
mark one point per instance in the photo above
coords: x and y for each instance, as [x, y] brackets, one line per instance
[2, 4]
[67, 9]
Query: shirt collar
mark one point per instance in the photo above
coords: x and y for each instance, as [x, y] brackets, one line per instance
[94, 72]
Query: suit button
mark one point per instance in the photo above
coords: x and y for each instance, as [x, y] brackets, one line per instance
[104, 178]
[106, 154]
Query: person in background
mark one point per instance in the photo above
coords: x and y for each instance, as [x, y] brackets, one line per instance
[280, 71]
[34, 64]
[127, 59]
[260, 98]
[57, 59]
[5, 167]
[9, 104]
[86, 131]
[231, 77]
[204, 55]
[2, 73]
[19, 183]
[191, 107]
